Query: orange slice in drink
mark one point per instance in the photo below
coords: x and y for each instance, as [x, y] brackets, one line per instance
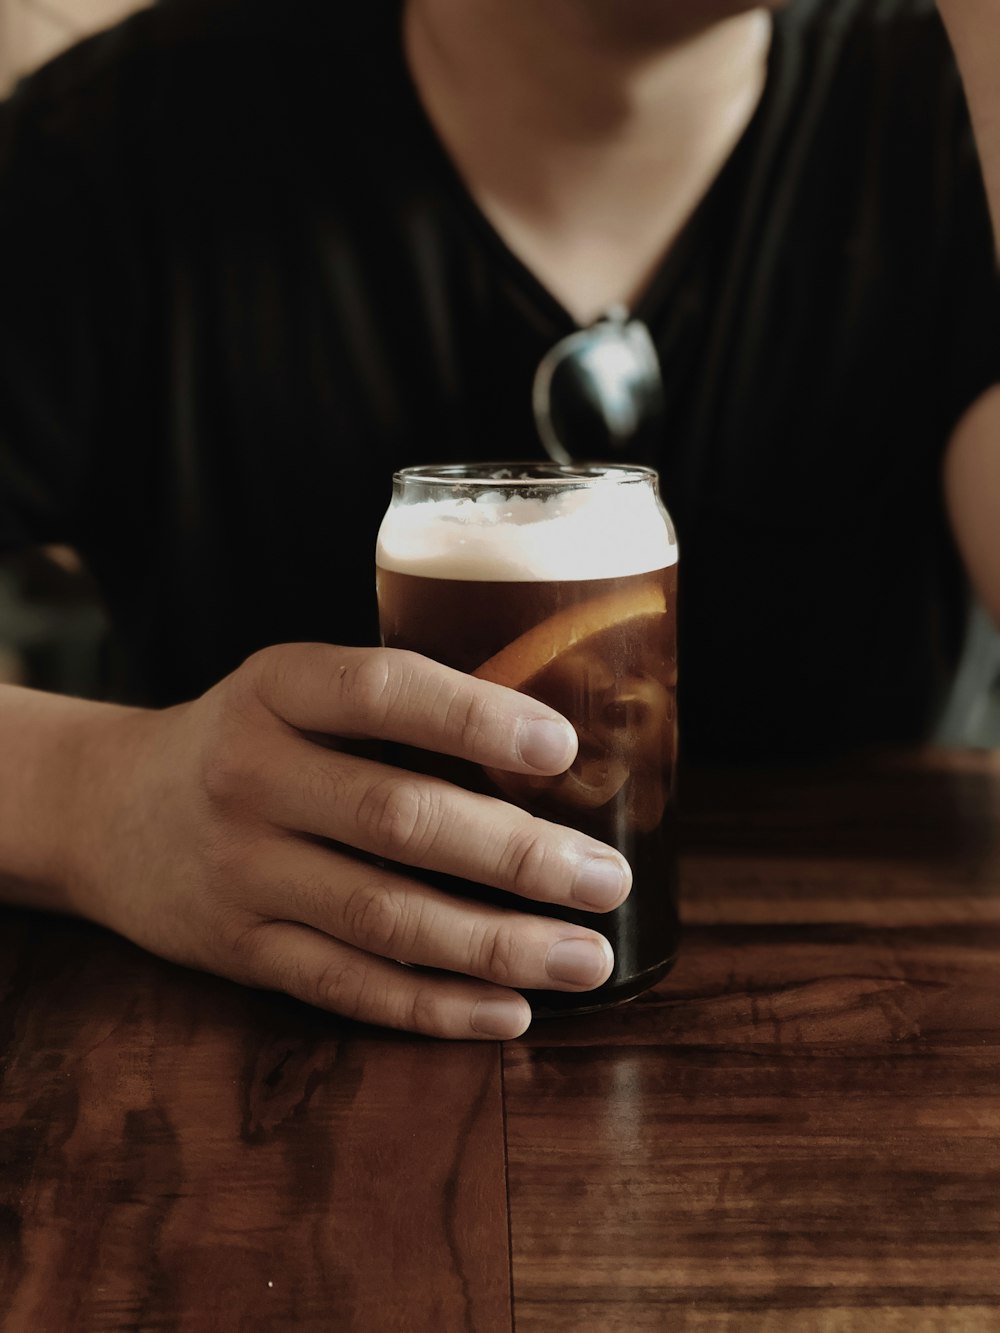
[529, 654]
[565, 655]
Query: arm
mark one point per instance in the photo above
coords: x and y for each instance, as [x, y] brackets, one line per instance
[219, 835]
[972, 462]
[972, 491]
[46, 740]
[974, 29]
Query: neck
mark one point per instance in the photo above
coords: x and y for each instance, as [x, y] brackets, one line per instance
[592, 70]
[587, 140]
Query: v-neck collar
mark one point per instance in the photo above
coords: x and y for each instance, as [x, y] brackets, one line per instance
[532, 289]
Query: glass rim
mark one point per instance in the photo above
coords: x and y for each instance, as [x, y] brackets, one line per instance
[533, 472]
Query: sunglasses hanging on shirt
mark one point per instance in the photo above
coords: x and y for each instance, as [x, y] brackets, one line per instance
[599, 391]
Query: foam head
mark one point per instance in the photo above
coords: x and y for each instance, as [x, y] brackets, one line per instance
[599, 532]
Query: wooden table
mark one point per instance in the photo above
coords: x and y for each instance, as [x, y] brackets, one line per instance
[799, 1129]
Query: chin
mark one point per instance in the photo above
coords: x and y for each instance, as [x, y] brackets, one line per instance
[651, 22]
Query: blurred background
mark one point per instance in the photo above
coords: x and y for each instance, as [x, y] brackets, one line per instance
[51, 625]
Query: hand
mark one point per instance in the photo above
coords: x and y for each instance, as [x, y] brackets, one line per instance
[205, 843]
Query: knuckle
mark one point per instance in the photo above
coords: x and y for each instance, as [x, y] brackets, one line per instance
[428, 1012]
[398, 817]
[231, 773]
[527, 860]
[232, 759]
[258, 678]
[374, 918]
[243, 948]
[340, 986]
[218, 775]
[371, 687]
[470, 719]
[270, 681]
[499, 955]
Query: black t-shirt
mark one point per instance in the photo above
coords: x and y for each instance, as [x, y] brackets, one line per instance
[240, 283]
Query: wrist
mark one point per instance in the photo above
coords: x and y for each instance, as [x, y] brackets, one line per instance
[54, 775]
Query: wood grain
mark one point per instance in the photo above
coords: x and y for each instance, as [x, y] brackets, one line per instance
[176, 1152]
[800, 1128]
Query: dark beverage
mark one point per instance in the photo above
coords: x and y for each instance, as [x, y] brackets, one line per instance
[602, 651]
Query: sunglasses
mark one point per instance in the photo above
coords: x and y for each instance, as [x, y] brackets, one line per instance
[599, 390]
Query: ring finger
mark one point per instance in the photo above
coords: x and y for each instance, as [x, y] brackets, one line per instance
[398, 918]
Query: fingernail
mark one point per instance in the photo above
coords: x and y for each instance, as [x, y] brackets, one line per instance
[601, 882]
[500, 1018]
[579, 962]
[546, 745]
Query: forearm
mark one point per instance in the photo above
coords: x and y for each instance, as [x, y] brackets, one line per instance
[51, 761]
[972, 490]
[974, 29]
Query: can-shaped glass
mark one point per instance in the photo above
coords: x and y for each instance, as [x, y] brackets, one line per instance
[560, 582]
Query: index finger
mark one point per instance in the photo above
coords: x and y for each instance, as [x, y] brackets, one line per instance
[393, 695]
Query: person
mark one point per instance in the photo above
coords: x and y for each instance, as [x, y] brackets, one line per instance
[255, 258]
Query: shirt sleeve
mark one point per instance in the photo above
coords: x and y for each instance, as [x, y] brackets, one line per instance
[65, 322]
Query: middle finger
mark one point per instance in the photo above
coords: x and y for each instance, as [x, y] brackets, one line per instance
[433, 825]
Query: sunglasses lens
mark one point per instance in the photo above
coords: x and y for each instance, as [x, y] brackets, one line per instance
[599, 391]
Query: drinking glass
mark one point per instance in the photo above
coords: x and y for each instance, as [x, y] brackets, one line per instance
[560, 582]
